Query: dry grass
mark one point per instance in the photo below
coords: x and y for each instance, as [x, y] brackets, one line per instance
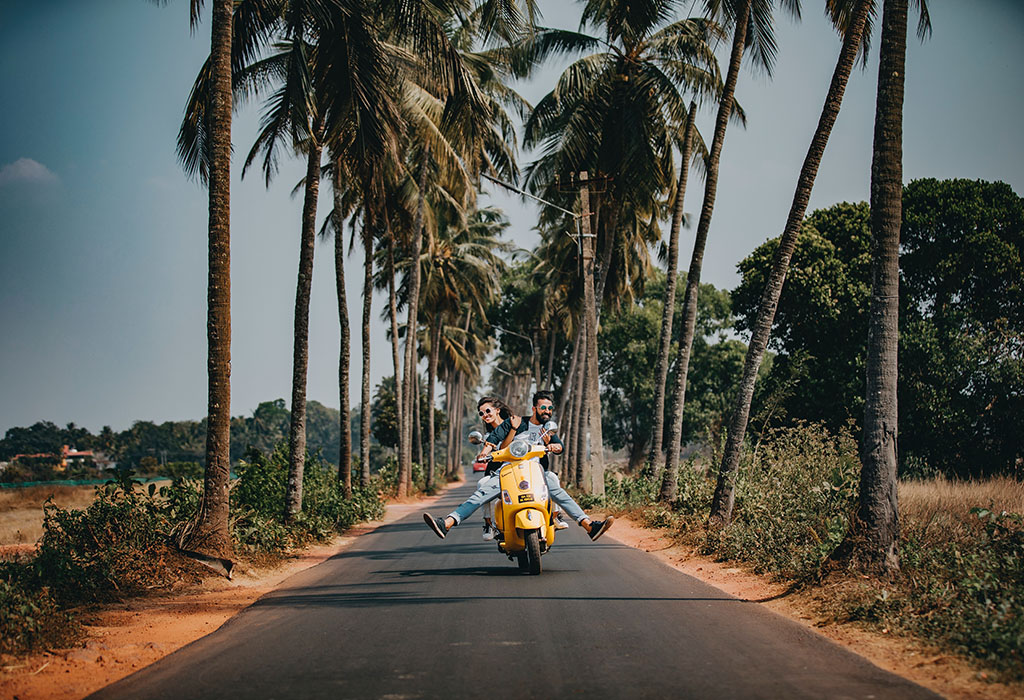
[21, 510]
[944, 505]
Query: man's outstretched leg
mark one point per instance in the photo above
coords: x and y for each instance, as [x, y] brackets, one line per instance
[594, 528]
[487, 490]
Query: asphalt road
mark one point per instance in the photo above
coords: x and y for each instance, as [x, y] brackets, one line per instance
[403, 614]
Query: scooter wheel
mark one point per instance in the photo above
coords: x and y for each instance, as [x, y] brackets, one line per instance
[533, 551]
[523, 560]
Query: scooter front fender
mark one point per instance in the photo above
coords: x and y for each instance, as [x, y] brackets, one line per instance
[530, 519]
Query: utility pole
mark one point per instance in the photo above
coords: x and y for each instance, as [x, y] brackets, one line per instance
[593, 458]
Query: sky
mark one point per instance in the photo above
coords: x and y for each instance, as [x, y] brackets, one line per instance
[103, 237]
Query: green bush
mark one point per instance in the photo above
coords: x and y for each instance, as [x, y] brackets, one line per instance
[794, 500]
[257, 503]
[387, 478]
[118, 546]
[112, 549]
[30, 619]
[966, 591]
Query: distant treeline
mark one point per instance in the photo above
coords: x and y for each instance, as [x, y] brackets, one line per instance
[147, 446]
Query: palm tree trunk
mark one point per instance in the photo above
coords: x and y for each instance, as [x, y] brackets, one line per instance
[549, 369]
[568, 385]
[364, 401]
[345, 438]
[300, 353]
[211, 533]
[456, 423]
[722, 504]
[578, 413]
[417, 425]
[396, 353]
[435, 351]
[449, 409]
[566, 415]
[668, 310]
[877, 530]
[668, 486]
[535, 358]
[412, 323]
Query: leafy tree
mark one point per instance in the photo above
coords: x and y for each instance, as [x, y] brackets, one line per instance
[39, 438]
[962, 341]
[961, 372]
[820, 324]
[629, 347]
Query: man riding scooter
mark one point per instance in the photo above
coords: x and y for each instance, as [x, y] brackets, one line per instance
[488, 490]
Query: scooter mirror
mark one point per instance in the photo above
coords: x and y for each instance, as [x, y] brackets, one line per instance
[475, 438]
[550, 427]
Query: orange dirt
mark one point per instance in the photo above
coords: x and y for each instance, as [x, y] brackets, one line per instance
[128, 637]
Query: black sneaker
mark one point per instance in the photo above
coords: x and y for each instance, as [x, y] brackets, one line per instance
[599, 527]
[436, 524]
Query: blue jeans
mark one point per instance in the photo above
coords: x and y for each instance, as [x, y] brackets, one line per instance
[562, 498]
[489, 488]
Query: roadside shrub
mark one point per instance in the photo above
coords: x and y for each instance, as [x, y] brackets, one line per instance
[30, 619]
[631, 491]
[962, 585]
[262, 481]
[257, 503]
[794, 500]
[114, 548]
[387, 478]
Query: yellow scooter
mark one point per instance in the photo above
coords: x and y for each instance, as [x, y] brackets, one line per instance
[522, 513]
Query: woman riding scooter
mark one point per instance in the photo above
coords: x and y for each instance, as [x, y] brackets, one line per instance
[493, 411]
[488, 490]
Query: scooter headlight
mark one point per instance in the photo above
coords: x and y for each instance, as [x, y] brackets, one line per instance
[519, 449]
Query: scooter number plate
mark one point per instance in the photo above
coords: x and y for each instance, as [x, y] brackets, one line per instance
[525, 497]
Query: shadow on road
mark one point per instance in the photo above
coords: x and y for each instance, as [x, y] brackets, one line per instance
[389, 598]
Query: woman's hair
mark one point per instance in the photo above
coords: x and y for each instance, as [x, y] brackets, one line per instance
[503, 410]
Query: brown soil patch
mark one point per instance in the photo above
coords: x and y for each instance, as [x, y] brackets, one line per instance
[947, 675]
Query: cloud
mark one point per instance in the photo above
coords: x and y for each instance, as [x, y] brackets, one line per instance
[27, 170]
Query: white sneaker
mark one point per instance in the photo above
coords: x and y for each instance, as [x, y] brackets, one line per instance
[488, 532]
[559, 523]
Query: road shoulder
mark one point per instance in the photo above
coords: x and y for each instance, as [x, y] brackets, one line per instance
[946, 675]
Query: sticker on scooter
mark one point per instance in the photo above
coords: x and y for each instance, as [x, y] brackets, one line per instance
[525, 497]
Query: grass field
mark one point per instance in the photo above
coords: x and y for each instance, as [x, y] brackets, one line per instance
[21, 510]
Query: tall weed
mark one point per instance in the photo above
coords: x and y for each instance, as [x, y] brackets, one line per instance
[794, 500]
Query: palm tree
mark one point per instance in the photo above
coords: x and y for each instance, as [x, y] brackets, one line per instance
[210, 157]
[344, 353]
[613, 113]
[343, 206]
[751, 21]
[721, 507]
[317, 41]
[669, 303]
[872, 543]
[461, 269]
